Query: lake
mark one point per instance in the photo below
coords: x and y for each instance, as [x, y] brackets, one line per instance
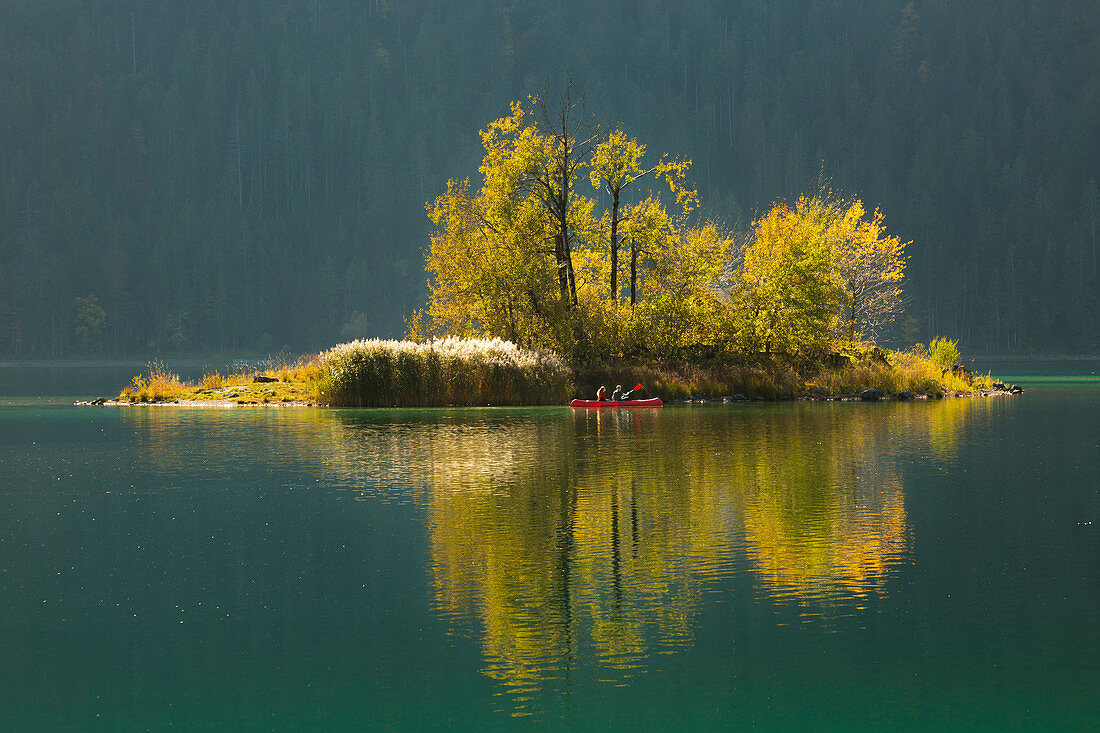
[820, 566]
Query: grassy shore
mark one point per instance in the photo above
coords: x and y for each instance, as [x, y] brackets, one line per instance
[840, 375]
[276, 384]
[377, 373]
[455, 372]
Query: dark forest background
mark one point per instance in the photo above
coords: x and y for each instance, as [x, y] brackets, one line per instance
[250, 176]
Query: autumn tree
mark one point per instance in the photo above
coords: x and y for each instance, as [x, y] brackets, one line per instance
[683, 308]
[557, 146]
[647, 227]
[616, 164]
[498, 254]
[490, 270]
[788, 291]
[871, 265]
[820, 267]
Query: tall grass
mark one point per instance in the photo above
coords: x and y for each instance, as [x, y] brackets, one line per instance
[914, 371]
[156, 385]
[450, 371]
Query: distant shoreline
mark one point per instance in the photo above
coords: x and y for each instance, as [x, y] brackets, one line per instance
[189, 363]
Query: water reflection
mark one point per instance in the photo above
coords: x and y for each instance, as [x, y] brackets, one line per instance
[584, 543]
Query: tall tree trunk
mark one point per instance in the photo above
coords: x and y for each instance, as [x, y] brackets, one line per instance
[563, 273]
[615, 245]
[570, 296]
[633, 271]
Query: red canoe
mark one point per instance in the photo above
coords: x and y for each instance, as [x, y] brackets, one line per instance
[651, 402]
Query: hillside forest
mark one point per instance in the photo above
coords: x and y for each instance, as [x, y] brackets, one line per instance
[240, 176]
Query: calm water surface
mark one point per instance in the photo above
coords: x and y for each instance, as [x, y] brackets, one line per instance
[929, 565]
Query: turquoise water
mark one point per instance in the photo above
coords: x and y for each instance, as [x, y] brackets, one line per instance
[928, 565]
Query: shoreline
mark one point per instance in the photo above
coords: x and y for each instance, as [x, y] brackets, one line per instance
[869, 395]
[490, 372]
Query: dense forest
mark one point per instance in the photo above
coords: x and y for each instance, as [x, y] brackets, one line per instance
[190, 176]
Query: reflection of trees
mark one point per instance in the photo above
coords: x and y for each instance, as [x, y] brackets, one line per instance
[583, 545]
[842, 548]
[822, 500]
[580, 543]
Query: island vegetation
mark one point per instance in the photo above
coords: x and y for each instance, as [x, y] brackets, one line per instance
[578, 260]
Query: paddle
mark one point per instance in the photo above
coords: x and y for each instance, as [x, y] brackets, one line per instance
[636, 388]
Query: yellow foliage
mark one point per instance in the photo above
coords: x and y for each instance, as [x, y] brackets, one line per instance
[788, 287]
[524, 258]
[870, 263]
[158, 385]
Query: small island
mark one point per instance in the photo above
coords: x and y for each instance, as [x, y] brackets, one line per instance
[453, 372]
[539, 293]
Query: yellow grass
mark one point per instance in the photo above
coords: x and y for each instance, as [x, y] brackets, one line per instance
[157, 385]
[297, 384]
[862, 368]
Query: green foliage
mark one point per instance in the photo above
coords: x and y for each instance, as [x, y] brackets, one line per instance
[944, 352]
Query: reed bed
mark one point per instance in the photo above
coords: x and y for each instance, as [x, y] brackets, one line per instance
[678, 382]
[914, 371]
[440, 372]
[158, 384]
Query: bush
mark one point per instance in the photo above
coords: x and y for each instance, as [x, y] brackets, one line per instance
[944, 352]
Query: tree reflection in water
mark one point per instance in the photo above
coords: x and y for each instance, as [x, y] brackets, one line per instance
[580, 543]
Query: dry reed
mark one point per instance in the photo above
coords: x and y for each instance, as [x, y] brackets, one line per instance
[449, 371]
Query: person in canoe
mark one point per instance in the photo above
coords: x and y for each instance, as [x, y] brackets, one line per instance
[619, 396]
[601, 394]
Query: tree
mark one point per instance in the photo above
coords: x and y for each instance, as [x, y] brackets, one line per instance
[683, 306]
[616, 163]
[537, 156]
[647, 227]
[788, 290]
[490, 271]
[870, 264]
[497, 253]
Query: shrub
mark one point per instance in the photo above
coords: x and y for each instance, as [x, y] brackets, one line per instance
[944, 352]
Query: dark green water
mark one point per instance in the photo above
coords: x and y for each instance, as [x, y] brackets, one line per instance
[793, 566]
